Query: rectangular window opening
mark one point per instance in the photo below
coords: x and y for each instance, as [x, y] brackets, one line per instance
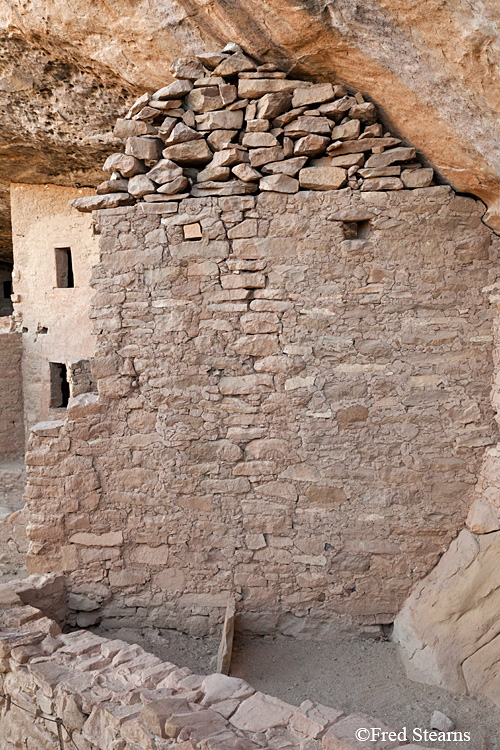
[59, 385]
[356, 230]
[7, 289]
[64, 268]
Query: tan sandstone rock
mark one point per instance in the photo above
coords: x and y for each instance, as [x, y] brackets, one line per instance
[448, 628]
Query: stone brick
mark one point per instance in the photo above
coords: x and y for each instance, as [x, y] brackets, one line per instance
[342, 735]
[261, 712]
[313, 719]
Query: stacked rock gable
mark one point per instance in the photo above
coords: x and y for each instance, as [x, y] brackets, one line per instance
[228, 126]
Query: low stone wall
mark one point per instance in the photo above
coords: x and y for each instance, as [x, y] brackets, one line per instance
[292, 410]
[109, 695]
[11, 394]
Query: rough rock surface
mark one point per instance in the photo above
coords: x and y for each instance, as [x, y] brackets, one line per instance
[448, 628]
[56, 108]
[431, 67]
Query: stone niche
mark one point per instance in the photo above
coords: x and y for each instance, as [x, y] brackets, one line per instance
[293, 408]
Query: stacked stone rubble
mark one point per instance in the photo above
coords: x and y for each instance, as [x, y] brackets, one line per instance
[228, 126]
[110, 695]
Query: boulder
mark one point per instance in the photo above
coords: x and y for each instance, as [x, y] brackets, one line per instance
[140, 185]
[322, 178]
[128, 166]
[175, 90]
[447, 629]
[279, 183]
[310, 145]
[189, 154]
[417, 178]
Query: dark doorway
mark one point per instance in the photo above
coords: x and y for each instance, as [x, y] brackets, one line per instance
[59, 385]
[64, 268]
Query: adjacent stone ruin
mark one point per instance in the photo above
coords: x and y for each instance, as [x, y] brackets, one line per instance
[229, 126]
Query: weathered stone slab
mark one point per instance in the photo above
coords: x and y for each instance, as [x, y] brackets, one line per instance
[305, 124]
[315, 94]
[246, 173]
[164, 171]
[181, 133]
[260, 156]
[346, 132]
[288, 166]
[366, 144]
[140, 185]
[232, 187]
[382, 183]
[313, 719]
[96, 202]
[255, 88]
[310, 145]
[185, 67]
[342, 735]
[175, 90]
[220, 120]
[390, 156]
[261, 712]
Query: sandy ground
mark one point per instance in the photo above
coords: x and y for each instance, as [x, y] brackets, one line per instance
[356, 676]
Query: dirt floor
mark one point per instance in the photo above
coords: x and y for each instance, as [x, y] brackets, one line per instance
[356, 676]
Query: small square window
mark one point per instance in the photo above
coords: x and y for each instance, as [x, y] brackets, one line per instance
[356, 230]
[59, 385]
[64, 268]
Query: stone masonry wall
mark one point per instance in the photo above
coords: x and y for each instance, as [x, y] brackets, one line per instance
[11, 395]
[293, 408]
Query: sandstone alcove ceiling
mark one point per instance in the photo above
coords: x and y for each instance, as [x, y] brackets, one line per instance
[430, 67]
